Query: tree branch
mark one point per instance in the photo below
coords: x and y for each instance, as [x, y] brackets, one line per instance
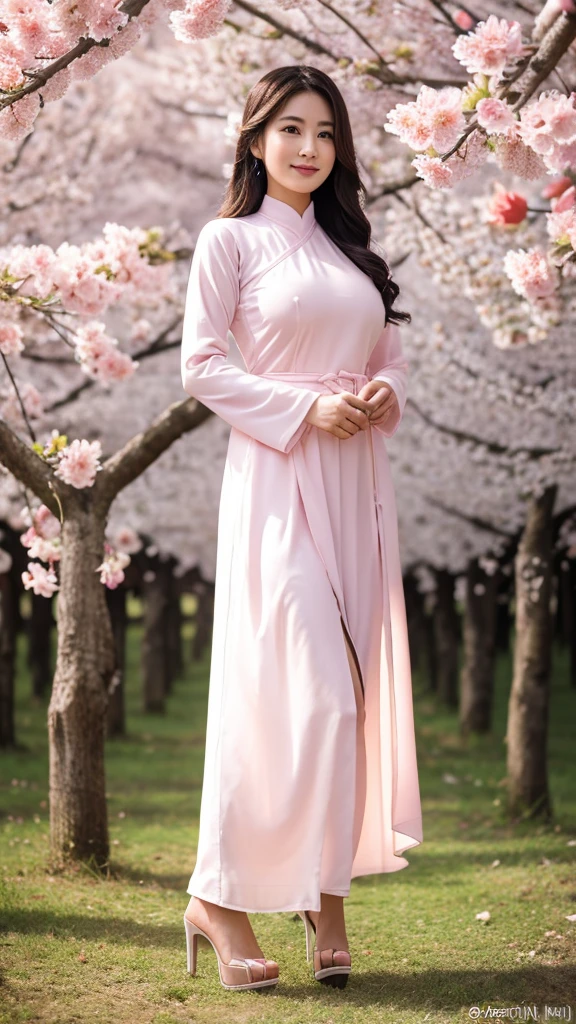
[143, 449]
[490, 446]
[480, 524]
[39, 78]
[27, 467]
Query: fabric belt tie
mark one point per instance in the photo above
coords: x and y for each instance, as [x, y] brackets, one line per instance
[343, 380]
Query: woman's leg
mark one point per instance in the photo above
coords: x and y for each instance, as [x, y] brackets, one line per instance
[230, 930]
[329, 921]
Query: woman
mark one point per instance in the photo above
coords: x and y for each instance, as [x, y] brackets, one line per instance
[310, 775]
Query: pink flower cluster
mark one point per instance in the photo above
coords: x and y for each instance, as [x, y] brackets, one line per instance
[79, 463]
[548, 126]
[42, 538]
[41, 580]
[112, 568]
[530, 273]
[11, 343]
[199, 19]
[541, 139]
[87, 279]
[441, 174]
[36, 33]
[434, 119]
[561, 223]
[31, 399]
[100, 356]
[490, 47]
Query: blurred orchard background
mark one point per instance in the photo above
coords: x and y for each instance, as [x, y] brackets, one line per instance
[117, 134]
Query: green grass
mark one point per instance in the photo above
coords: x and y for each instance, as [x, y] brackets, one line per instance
[76, 949]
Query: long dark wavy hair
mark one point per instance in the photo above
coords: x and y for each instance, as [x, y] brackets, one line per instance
[337, 200]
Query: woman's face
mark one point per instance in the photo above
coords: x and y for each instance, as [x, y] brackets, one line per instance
[300, 134]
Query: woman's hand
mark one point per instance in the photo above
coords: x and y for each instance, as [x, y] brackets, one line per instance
[343, 414]
[381, 400]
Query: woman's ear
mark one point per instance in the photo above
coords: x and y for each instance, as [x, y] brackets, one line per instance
[255, 150]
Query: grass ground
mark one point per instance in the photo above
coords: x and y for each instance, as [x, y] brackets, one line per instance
[76, 949]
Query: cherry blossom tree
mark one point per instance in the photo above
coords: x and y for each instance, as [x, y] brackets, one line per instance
[462, 94]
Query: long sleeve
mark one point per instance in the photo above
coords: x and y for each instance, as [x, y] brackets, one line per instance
[272, 412]
[387, 363]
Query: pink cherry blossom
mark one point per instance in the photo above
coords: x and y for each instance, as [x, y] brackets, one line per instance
[530, 273]
[565, 201]
[496, 116]
[35, 262]
[17, 121]
[39, 579]
[112, 568]
[99, 355]
[548, 126]
[45, 550]
[506, 208]
[556, 187]
[435, 119]
[46, 524]
[11, 343]
[463, 20]
[490, 46]
[514, 155]
[127, 540]
[199, 19]
[561, 226]
[435, 173]
[79, 463]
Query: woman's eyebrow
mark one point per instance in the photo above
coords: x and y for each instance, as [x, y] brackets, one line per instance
[290, 117]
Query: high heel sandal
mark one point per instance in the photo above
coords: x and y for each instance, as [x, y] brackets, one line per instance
[331, 966]
[257, 972]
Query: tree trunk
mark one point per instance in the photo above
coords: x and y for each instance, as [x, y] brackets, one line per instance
[203, 619]
[7, 656]
[416, 621]
[40, 630]
[446, 634]
[503, 623]
[116, 713]
[567, 605]
[155, 665]
[174, 630]
[477, 677]
[529, 697]
[77, 710]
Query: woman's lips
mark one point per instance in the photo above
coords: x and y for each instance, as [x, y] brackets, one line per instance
[305, 170]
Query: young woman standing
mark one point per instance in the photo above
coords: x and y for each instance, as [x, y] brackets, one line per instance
[310, 774]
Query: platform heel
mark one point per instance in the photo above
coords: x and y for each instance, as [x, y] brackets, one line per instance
[331, 966]
[240, 972]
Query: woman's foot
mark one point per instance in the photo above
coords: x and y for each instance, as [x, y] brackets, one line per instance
[329, 923]
[230, 930]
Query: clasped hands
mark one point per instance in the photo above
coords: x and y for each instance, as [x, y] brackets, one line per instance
[344, 414]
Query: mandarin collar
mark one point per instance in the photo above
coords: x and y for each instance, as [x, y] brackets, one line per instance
[284, 214]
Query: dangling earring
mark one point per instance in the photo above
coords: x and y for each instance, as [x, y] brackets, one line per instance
[256, 166]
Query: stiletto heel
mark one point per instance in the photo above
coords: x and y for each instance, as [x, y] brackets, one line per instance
[257, 971]
[331, 966]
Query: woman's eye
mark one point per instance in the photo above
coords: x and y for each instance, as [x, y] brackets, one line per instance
[290, 126]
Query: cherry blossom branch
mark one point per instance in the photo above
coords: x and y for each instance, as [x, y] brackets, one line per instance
[552, 48]
[476, 521]
[144, 448]
[27, 467]
[491, 446]
[38, 79]
[19, 397]
[354, 29]
[386, 76]
[531, 72]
